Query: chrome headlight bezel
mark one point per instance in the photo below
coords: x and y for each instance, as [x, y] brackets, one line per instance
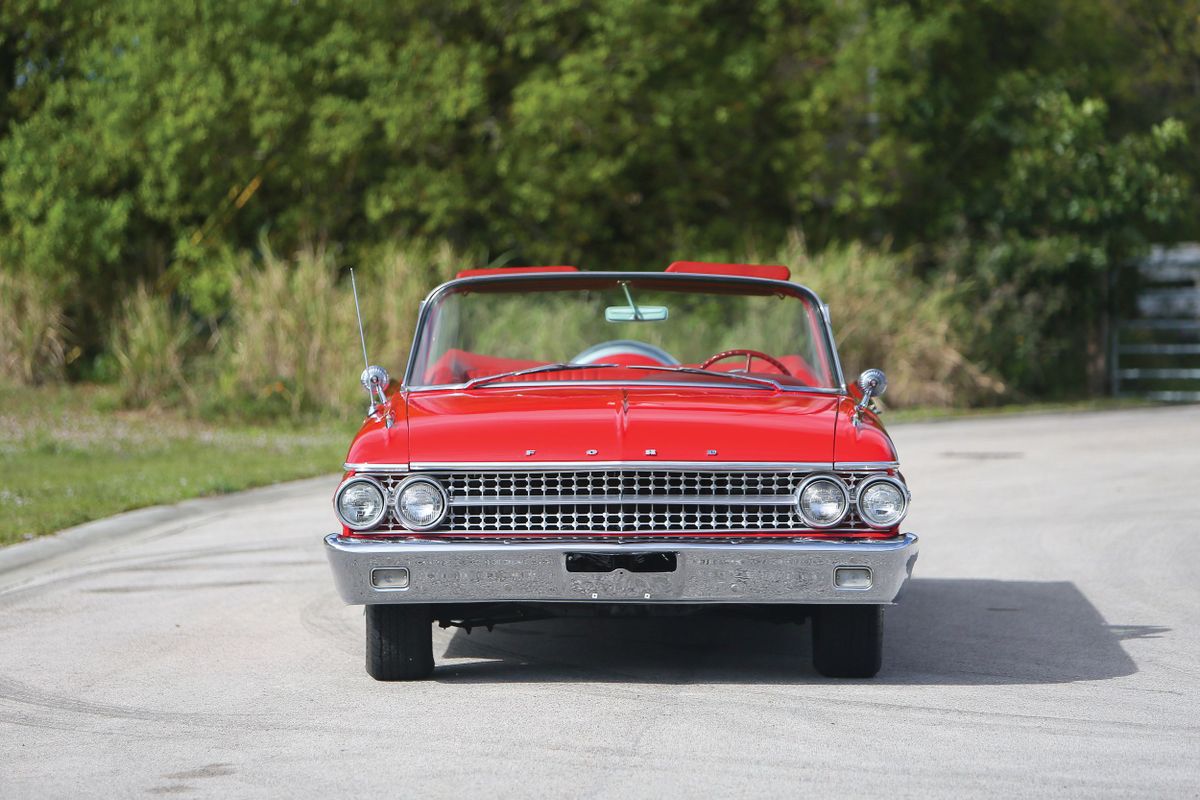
[399, 494]
[861, 490]
[836, 481]
[373, 521]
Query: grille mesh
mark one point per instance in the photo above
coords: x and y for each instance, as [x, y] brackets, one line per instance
[620, 483]
[623, 501]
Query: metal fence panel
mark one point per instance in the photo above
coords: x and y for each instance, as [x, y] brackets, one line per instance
[1155, 354]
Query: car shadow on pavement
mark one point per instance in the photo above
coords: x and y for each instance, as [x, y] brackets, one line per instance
[942, 632]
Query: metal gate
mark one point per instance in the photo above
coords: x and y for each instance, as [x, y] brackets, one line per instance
[1155, 350]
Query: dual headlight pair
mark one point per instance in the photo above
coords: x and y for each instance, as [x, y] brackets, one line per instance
[418, 503]
[823, 501]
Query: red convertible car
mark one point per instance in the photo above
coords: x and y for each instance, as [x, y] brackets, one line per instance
[621, 443]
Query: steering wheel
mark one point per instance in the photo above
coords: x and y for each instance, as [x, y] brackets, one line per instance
[750, 355]
[598, 353]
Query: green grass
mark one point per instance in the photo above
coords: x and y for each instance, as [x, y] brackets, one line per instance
[66, 457]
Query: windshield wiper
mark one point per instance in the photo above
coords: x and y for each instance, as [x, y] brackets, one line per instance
[710, 374]
[665, 368]
[530, 371]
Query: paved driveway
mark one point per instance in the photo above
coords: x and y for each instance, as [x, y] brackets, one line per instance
[1048, 644]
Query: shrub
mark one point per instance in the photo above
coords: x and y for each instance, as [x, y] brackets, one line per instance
[32, 330]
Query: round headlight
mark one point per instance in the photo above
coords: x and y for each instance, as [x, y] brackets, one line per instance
[882, 502]
[823, 501]
[360, 504]
[420, 503]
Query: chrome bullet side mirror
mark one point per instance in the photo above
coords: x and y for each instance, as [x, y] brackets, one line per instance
[873, 384]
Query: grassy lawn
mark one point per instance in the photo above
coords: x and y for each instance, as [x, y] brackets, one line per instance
[66, 457]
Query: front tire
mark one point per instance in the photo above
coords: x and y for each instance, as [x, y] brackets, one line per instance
[848, 640]
[399, 642]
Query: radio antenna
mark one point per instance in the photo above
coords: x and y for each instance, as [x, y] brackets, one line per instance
[374, 379]
[362, 337]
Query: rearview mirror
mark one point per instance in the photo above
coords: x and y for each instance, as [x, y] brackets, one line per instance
[635, 313]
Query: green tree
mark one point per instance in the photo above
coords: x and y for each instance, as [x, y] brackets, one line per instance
[1025, 145]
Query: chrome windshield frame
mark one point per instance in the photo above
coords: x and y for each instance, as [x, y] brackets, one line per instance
[786, 287]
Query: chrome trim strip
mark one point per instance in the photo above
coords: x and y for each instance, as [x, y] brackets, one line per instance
[416, 339]
[557, 466]
[832, 340]
[845, 466]
[718, 572]
[367, 467]
[552, 466]
[625, 500]
[865, 466]
[633, 385]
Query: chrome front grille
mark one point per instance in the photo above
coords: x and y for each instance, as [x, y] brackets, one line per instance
[620, 518]
[620, 501]
[619, 484]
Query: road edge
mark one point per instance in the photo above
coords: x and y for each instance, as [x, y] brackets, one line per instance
[89, 535]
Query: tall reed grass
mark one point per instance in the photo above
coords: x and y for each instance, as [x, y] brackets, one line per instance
[290, 339]
[33, 332]
[393, 283]
[149, 342]
[919, 331]
[287, 343]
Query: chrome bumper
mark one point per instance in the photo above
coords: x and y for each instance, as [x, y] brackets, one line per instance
[775, 572]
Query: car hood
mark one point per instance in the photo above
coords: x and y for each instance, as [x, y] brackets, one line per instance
[530, 425]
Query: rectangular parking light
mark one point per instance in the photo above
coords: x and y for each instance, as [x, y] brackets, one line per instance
[389, 577]
[852, 577]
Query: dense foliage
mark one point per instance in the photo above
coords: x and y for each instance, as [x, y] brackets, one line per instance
[1018, 147]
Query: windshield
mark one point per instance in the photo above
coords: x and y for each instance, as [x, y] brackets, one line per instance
[625, 329]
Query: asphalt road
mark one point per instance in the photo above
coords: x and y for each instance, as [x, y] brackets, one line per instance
[1048, 645]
